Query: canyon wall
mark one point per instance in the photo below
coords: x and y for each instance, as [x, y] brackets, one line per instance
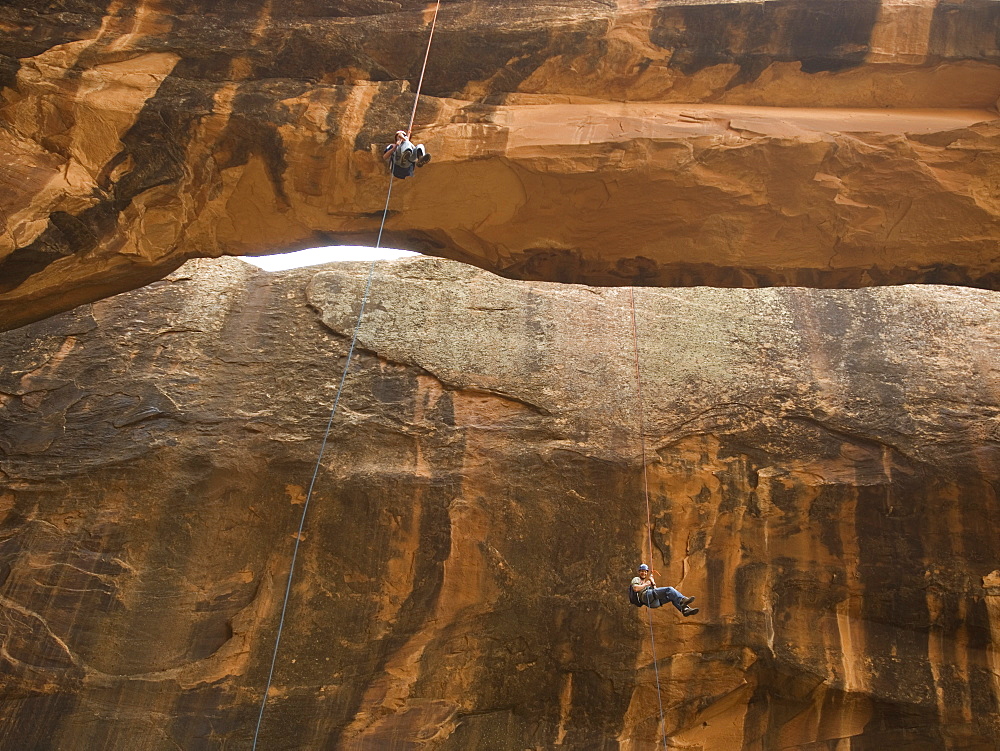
[828, 143]
[822, 464]
[823, 470]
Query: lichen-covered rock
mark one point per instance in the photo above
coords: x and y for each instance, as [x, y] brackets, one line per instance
[831, 143]
[822, 467]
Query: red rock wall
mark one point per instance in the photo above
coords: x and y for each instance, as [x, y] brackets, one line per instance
[822, 466]
[830, 143]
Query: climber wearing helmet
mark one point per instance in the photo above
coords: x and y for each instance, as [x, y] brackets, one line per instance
[645, 592]
[402, 156]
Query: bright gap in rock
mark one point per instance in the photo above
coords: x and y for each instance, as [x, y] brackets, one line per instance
[326, 254]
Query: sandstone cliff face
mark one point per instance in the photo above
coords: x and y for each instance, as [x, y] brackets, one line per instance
[823, 474]
[827, 143]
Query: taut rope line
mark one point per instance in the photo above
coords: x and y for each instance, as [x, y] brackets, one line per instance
[315, 474]
[642, 427]
[336, 401]
[420, 83]
[649, 522]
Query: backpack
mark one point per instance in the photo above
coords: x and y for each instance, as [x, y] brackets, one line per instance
[633, 597]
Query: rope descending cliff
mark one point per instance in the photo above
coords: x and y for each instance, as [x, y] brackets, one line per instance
[336, 403]
[645, 488]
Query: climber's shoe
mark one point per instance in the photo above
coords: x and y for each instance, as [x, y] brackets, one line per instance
[689, 611]
[685, 601]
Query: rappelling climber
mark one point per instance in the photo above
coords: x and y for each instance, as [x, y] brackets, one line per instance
[645, 592]
[402, 156]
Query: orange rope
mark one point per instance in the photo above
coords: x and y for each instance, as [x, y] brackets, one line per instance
[420, 83]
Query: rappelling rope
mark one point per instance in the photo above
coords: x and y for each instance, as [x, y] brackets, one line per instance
[336, 402]
[642, 435]
[420, 83]
[645, 489]
[319, 460]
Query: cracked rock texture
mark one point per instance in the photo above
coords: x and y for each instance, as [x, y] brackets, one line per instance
[829, 143]
[823, 473]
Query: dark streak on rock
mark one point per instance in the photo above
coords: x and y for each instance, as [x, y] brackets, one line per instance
[387, 106]
[966, 30]
[822, 35]
[155, 151]
[63, 21]
[575, 624]
[27, 713]
[432, 550]
[568, 266]
[252, 129]
[9, 66]
[201, 716]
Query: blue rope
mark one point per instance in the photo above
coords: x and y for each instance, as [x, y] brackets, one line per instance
[336, 401]
[319, 460]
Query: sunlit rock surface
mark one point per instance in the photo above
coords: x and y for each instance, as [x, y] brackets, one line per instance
[822, 465]
[829, 143]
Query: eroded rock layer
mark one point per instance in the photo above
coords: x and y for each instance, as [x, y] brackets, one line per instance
[822, 465]
[831, 143]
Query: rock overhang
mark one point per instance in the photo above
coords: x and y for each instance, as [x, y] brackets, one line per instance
[829, 144]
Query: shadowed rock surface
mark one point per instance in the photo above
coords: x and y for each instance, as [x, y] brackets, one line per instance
[823, 469]
[828, 143]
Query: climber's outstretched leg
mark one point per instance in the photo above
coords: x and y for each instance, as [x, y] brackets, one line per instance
[645, 592]
[656, 596]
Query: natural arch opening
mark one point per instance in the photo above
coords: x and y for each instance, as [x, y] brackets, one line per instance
[325, 254]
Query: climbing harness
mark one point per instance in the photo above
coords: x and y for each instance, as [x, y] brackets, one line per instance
[645, 487]
[633, 596]
[336, 402]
